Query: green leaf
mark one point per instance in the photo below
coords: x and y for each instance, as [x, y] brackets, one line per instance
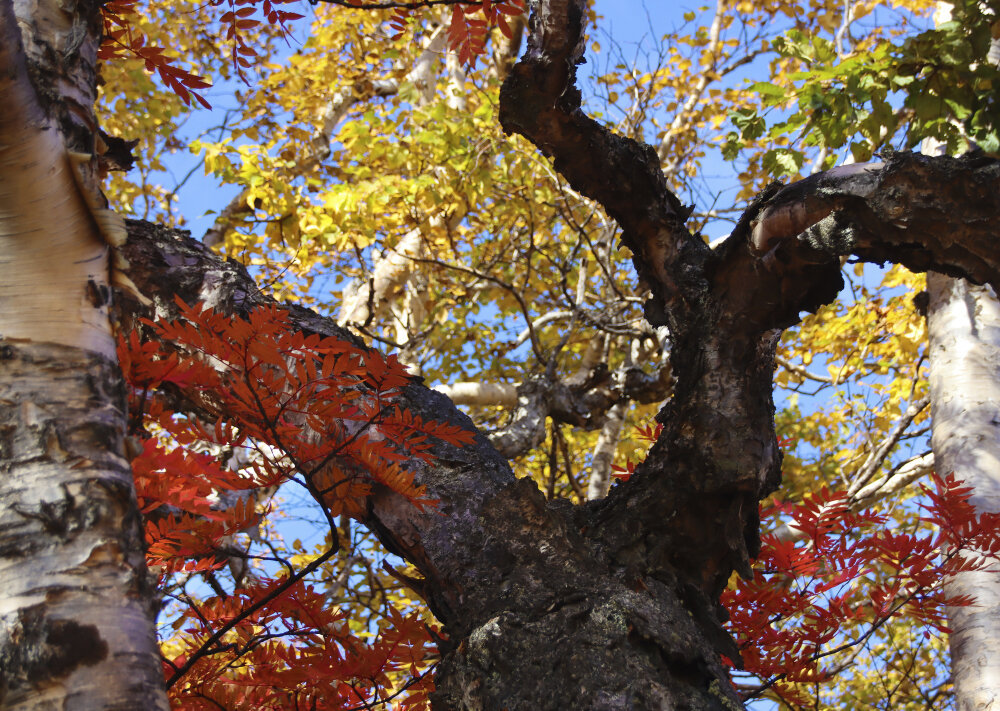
[769, 91]
[926, 105]
[783, 161]
[861, 150]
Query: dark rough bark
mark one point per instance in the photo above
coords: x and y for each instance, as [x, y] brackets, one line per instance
[927, 213]
[610, 605]
[520, 586]
[688, 517]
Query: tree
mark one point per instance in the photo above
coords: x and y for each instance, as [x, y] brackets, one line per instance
[961, 339]
[619, 595]
[960, 349]
[80, 612]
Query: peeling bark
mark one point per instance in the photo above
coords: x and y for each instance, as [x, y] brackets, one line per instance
[49, 249]
[76, 605]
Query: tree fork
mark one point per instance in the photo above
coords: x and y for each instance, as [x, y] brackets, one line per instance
[516, 580]
[619, 595]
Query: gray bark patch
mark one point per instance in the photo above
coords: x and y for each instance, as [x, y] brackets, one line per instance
[34, 649]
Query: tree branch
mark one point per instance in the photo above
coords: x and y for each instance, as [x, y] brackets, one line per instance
[540, 101]
[927, 213]
[503, 570]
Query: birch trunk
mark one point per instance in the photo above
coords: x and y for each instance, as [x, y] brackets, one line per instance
[963, 323]
[76, 623]
[964, 328]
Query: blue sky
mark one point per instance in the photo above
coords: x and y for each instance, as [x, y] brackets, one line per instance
[642, 24]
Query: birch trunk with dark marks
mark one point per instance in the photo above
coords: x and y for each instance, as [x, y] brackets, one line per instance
[76, 605]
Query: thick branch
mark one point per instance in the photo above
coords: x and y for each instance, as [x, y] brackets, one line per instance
[927, 213]
[692, 510]
[540, 101]
[524, 596]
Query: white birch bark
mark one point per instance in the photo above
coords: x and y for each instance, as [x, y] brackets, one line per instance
[604, 452]
[76, 603]
[481, 394]
[963, 323]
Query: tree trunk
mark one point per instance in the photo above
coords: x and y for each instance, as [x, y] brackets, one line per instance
[540, 607]
[76, 617]
[963, 323]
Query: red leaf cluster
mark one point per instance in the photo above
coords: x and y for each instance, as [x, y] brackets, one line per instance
[122, 39]
[467, 31]
[240, 18]
[829, 577]
[320, 412]
[467, 34]
[834, 577]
